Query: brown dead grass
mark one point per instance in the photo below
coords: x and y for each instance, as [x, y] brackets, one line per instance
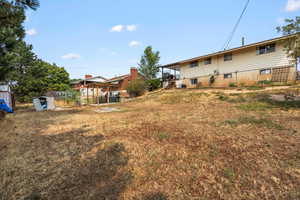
[167, 145]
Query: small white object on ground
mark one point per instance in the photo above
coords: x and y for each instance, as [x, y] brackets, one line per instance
[107, 110]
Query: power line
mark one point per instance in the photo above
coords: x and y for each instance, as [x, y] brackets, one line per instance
[235, 27]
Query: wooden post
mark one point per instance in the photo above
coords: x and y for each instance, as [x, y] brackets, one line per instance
[87, 94]
[108, 94]
[93, 94]
[97, 94]
[174, 74]
[162, 77]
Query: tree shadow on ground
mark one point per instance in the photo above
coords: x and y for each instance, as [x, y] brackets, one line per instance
[153, 196]
[55, 166]
[104, 176]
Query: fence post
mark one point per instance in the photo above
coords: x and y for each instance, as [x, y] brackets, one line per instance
[87, 94]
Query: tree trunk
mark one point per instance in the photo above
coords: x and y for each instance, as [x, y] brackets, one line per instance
[2, 114]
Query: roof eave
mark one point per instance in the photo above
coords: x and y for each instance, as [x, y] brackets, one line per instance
[175, 65]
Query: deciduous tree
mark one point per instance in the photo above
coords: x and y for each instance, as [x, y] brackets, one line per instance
[292, 44]
[149, 64]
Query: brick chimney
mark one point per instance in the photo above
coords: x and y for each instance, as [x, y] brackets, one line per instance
[88, 76]
[133, 73]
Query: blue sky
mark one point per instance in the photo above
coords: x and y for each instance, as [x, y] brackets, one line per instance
[107, 37]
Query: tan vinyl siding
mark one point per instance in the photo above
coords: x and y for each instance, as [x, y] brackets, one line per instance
[243, 60]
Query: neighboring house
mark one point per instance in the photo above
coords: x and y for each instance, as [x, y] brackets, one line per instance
[118, 85]
[85, 85]
[102, 90]
[245, 65]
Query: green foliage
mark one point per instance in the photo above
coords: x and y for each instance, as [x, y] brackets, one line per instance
[292, 44]
[12, 15]
[222, 96]
[231, 122]
[265, 82]
[232, 84]
[40, 78]
[153, 84]
[255, 87]
[149, 64]
[18, 63]
[136, 88]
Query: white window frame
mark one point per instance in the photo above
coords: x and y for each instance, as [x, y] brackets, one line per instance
[265, 71]
[228, 76]
[228, 58]
[194, 64]
[194, 81]
[207, 61]
[265, 49]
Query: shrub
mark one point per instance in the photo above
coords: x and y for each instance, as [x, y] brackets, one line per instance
[242, 84]
[265, 82]
[222, 96]
[136, 88]
[255, 87]
[232, 84]
[153, 84]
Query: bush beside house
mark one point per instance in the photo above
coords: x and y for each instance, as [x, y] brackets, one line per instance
[136, 87]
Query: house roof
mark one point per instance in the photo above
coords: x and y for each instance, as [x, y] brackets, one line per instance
[117, 78]
[95, 77]
[175, 65]
[92, 79]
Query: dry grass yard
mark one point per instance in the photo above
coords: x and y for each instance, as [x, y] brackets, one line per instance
[177, 144]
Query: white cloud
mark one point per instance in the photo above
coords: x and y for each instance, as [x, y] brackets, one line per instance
[117, 28]
[292, 5]
[131, 27]
[134, 43]
[120, 28]
[71, 56]
[31, 32]
[114, 53]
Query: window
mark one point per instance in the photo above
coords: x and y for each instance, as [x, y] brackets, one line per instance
[194, 64]
[265, 71]
[227, 76]
[194, 81]
[228, 57]
[207, 61]
[266, 49]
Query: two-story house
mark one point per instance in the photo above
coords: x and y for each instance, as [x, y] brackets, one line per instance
[244, 65]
